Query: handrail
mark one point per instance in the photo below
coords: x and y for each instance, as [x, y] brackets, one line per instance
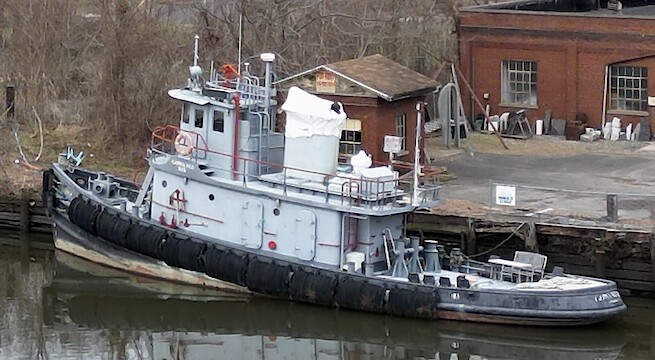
[373, 192]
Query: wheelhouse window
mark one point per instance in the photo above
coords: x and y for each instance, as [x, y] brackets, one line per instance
[401, 130]
[199, 118]
[186, 110]
[519, 83]
[351, 137]
[219, 121]
[628, 88]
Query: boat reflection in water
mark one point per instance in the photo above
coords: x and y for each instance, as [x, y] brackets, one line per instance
[196, 324]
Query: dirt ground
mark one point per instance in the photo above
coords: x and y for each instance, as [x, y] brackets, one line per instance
[23, 170]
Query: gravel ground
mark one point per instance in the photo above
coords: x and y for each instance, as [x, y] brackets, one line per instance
[558, 177]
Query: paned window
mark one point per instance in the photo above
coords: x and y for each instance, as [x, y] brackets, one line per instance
[628, 88]
[401, 130]
[199, 114]
[219, 121]
[351, 137]
[519, 83]
[185, 113]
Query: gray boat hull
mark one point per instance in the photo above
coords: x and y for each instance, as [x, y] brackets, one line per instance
[249, 271]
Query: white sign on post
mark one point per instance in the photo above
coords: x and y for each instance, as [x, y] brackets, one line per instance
[506, 195]
[392, 144]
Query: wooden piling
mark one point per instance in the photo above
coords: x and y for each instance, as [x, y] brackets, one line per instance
[24, 230]
[10, 94]
[600, 264]
[652, 257]
[471, 240]
[462, 243]
[600, 258]
[24, 211]
[612, 207]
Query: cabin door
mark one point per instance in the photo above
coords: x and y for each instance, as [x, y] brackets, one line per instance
[305, 235]
[253, 221]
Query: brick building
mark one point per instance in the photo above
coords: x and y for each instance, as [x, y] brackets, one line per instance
[379, 96]
[576, 58]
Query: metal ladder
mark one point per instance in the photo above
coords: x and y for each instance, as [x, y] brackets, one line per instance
[263, 165]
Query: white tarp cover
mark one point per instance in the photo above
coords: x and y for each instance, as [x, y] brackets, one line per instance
[309, 115]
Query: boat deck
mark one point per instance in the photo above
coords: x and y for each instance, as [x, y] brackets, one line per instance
[557, 283]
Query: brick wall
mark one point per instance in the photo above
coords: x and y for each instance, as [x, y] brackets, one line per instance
[571, 52]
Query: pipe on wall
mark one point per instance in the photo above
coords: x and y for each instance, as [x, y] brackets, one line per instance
[604, 111]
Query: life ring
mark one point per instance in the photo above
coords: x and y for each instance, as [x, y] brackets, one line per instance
[183, 143]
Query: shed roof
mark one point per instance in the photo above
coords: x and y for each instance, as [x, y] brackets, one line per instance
[386, 78]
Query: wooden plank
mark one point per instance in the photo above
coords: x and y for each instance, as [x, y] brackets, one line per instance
[35, 210]
[635, 285]
[437, 228]
[13, 216]
[636, 266]
[40, 219]
[630, 275]
[34, 244]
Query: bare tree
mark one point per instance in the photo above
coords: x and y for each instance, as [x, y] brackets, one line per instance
[105, 64]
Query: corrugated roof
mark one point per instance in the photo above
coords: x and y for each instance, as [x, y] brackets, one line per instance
[387, 78]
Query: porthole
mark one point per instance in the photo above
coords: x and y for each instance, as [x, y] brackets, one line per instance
[276, 211]
[164, 183]
[211, 197]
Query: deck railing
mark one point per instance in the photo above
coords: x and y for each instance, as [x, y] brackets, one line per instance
[354, 191]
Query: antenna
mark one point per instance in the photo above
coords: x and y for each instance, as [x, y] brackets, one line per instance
[195, 71]
[195, 50]
[240, 39]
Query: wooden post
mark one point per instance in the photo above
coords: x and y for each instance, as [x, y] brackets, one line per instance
[600, 257]
[612, 207]
[24, 211]
[477, 101]
[24, 230]
[10, 95]
[471, 240]
[652, 259]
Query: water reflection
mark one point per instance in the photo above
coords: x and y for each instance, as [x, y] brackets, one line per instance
[85, 311]
[201, 325]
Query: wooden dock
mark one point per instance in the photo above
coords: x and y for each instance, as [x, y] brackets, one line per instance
[23, 211]
[625, 255]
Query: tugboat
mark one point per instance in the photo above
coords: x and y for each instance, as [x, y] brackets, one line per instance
[228, 202]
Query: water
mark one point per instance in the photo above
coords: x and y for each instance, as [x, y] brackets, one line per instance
[55, 306]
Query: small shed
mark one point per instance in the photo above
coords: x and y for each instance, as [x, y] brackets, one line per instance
[379, 97]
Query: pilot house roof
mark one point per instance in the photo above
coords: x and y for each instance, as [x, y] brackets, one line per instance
[386, 78]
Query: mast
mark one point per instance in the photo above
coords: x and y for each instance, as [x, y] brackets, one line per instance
[417, 155]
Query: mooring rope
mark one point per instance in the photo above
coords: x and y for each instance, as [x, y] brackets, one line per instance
[514, 232]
